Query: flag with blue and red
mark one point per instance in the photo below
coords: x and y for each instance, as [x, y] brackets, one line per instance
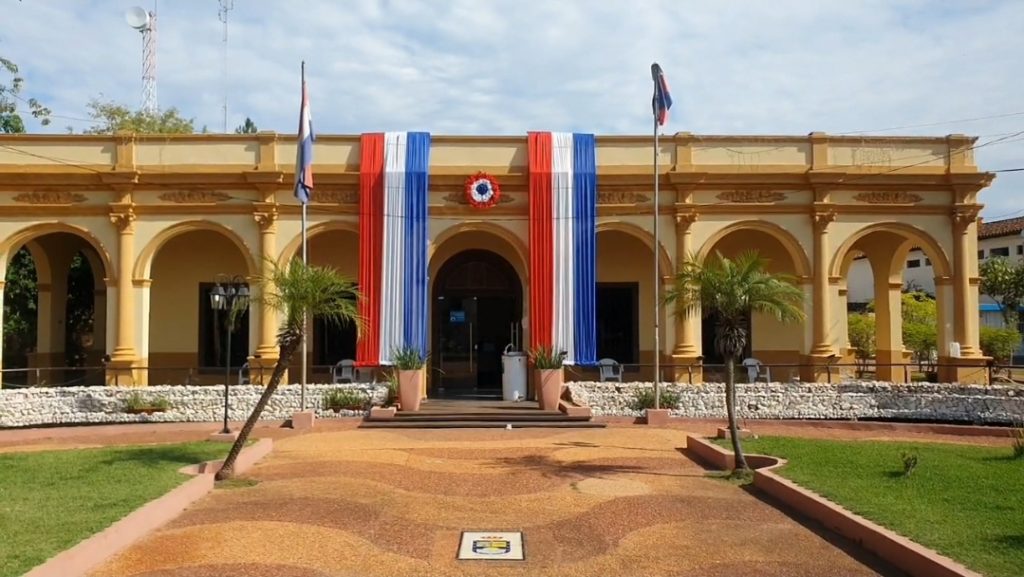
[662, 100]
[304, 149]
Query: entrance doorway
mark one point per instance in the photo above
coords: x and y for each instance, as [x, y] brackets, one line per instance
[477, 312]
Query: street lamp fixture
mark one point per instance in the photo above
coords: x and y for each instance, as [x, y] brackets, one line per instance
[229, 294]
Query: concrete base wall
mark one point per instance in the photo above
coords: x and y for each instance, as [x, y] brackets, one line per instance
[854, 400]
[76, 405]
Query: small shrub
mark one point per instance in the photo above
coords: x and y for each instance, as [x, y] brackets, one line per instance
[999, 343]
[1018, 441]
[392, 381]
[337, 399]
[644, 399]
[136, 402]
[909, 462]
[546, 358]
[408, 359]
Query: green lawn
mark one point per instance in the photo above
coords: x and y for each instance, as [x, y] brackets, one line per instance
[51, 500]
[966, 502]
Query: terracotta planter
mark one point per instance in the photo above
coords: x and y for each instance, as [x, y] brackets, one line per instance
[549, 388]
[410, 387]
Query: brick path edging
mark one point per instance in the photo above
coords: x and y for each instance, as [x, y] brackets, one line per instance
[92, 551]
[904, 554]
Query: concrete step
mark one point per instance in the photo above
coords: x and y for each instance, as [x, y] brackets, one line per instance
[403, 424]
[484, 417]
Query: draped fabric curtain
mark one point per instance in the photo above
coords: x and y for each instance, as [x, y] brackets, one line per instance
[562, 229]
[394, 183]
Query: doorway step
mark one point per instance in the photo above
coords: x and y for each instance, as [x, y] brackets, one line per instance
[479, 414]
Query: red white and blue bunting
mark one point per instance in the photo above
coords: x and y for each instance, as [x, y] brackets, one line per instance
[393, 184]
[563, 263]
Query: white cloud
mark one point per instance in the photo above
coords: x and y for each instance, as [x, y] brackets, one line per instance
[505, 66]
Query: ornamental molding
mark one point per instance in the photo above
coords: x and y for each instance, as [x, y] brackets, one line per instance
[751, 196]
[50, 197]
[123, 219]
[822, 219]
[460, 198]
[621, 197]
[335, 196]
[896, 197]
[266, 219]
[194, 197]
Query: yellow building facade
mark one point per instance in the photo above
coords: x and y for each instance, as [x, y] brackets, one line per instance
[160, 217]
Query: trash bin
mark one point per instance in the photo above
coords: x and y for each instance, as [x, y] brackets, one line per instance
[513, 375]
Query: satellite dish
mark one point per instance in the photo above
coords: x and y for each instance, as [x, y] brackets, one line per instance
[137, 18]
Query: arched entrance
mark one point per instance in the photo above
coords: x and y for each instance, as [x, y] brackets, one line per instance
[477, 311]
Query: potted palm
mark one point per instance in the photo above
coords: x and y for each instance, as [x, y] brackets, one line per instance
[732, 290]
[409, 363]
[549, 376]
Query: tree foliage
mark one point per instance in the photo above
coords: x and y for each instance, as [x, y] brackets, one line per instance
[1003, 281]
[861, 330]
[999, 343]
[247, 127]
[20, 314]
[920, 325]
[297, 291]
[732, 290]
[11, 85]
[111, 117]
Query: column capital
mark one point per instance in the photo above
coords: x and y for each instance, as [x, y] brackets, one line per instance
[122, 216]
[822, 217]
[963, 216]
[266, 217]
[685, 219]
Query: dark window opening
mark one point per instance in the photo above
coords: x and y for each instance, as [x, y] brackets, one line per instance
[1020, 249]
[333, 341]
[927, 262]
[981, 254]
[1001, 251]
[213, 325]
[915, 263]
[618, 314]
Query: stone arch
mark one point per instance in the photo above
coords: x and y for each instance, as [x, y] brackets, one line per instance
[295, 244]
[30, 233]
[914, 236]
[664, 261]
[801, 262]
[521, 263]
[145, 259]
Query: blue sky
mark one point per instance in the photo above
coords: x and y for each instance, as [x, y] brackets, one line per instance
[509, 66]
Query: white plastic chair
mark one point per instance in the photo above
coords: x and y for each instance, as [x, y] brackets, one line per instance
[610, 370]
[754, 370]
[243, 375]
[344, 371]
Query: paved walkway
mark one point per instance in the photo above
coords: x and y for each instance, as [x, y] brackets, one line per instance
[616, 501]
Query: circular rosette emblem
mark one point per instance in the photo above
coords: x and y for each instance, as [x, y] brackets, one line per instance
[482, 190]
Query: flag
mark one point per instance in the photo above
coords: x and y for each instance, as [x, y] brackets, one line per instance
[662, 100]
[562, 228]
[304, 148]
[393, 185]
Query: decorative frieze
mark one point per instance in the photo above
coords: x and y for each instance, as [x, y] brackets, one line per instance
[622, 197]
[50, 197]
[893, 197]
[751, 196]
[194, 197]
[460, 198]
[335, 196]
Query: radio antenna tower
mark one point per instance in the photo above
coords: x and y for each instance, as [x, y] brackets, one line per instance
[225, 6]
[145, 23]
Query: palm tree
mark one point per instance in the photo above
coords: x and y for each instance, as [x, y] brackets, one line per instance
[731, 290]
[298, 291]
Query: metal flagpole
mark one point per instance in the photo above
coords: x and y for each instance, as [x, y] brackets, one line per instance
[657, 276]
[305, 262]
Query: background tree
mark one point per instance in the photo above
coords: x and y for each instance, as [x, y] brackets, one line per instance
[861, 331]
[247, 127]
[1003, 281]
[298, 290]
[11, 84]
[20, 315]
[732, 290]
[111, 117]
[920, 326]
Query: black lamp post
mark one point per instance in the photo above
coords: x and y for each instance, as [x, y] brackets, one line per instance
[229, 294]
